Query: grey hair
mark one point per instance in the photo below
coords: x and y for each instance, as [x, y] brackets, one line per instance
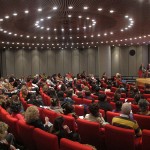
[126, 108]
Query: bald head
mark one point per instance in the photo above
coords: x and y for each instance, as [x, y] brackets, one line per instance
[126, 108]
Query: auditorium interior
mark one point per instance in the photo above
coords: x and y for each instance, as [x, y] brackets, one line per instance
[95, 47]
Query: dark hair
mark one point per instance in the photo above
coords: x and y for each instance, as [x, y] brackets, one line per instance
[58, 123]
[87, 93]
[117, 97]
[143, 105]
[68, 108]
[15, 107]
[94, 109]
[51, 93]
[69, 93]
[118, 106]
[102, 97]
[54, 102]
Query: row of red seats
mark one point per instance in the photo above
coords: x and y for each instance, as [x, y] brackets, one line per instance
[31, 137]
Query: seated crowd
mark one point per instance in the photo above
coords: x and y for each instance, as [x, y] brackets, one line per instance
[62, 92]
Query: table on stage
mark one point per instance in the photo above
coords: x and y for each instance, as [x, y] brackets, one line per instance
[142, 81]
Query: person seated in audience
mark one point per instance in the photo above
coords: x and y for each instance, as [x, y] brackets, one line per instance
[144, 107]
[95, 115]
[79, 94]
[68, 109]
[96, 91]
[35, 100]
[51, 93]
[63, 131]
[6, 139]
[68, 98]
[117, 97]
[103, 104]
[45, 88]
[104, 77]
[137, 97]
[118, 105]
[88, 95]
[147, 89]
[25, 93]
[55, 105]
[32, 118]
[15, 108]
[125, 121]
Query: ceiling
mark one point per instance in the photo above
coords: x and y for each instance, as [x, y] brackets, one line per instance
[68, 24]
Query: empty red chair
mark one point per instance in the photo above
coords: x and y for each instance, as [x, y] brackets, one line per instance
[25, 132]
[117, 138]
[123, 95]
[110, 94]
[88, 102]
[135, 108]
[77, 100]
[146, 96]
[110, 115]
[90, 133]
[113, 89]
[130, 100]
[143, 121]
[44, 140]
[145, 140]
[140, 87]
[79, 110]
[66, 144]
[113, 105]
[46, 100]
[94, 96]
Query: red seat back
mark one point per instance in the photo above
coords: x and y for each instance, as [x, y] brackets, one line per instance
[66, 144]
[89, 132]
[143, 121]
[119, 138]
[79, 110]
[146, 96]
[26, 134]
[135, 108]
[44, 140]
[145, 140]
[110, 115]
[77, 100]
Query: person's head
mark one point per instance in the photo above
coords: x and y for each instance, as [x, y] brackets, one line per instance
[3, 130]
[60, 94]
[86, 88]
[117, 97]
[1, 91]
[94, 109]
[79, 94]
[54, 102]
[69, 93]
[31, 114]
[126, 108]
[68, 108]
[143, 105]
[118, 105]
[51, 93]
[58, 123]
[24, 90]
[87, 93]
[97, 89]
[137, 97]
[102, 97]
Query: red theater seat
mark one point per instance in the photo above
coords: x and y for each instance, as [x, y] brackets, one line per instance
[79, 110]
[90, 133]
[110, 115]
[44, 140]
[66, 144]
[25, 132]
[77, 100]
[145, 140]
[143, 121]
[117, 138]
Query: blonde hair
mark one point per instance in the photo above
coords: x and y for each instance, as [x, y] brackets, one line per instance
[31, 114]
[3, 129]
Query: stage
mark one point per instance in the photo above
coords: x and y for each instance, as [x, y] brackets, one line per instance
[142, 81]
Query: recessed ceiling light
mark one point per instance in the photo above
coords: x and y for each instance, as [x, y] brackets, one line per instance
[98, 35]
[79, 16]
[9, 33]
[69, 16]
[100, 9]
[105, 34]
[85, 7]
[87, 18]
[42, 27]
[27, 36]
[55, 29]
[42, 37]
[121, 30]
[7, 17]
[15, 14]
[62, 29]
[49, 17]
[111, 33]
[111, 11]
[70, 29]
[90, 26]
[70, 7]
[126, 16]
[78, 28]
[1, 19]
[15, 34]
[39, 9]
[47, 29]
[34, 37]
[41, 19]
[26, 11]
[84, 27]
[54, 8]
